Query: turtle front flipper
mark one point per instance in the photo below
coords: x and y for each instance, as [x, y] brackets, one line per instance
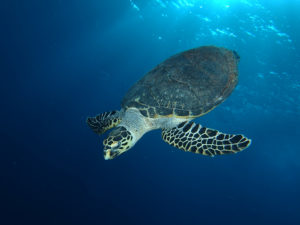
[104, 121]
[192, 137]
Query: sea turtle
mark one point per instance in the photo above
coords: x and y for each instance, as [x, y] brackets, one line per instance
[183, 87]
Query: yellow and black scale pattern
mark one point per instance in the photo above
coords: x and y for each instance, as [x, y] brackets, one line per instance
[193, 137]
[120, 136]
[104, 121]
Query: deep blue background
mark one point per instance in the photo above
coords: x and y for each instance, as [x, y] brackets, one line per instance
[64, 60]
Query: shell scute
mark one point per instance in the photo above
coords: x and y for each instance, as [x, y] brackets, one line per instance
[188, 84]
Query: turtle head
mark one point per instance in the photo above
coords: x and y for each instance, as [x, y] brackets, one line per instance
[119, 140]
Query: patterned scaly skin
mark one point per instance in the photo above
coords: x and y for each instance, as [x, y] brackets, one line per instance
[104, 121]
[192, 137]
[118, 141]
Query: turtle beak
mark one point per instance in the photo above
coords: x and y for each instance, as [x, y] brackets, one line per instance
[111, 153]
[107, 155]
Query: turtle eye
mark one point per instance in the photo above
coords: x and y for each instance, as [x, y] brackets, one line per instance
[115, 144]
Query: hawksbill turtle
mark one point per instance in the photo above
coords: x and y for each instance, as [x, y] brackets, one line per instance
[183, 87]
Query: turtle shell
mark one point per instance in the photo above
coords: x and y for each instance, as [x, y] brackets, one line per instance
[188, 84]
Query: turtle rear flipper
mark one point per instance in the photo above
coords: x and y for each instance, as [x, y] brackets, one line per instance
[192, 137]
[104, 121]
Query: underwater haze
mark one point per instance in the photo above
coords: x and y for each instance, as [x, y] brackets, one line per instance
[64, 60]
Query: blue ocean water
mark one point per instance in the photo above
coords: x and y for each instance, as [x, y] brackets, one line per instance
[62, 61]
